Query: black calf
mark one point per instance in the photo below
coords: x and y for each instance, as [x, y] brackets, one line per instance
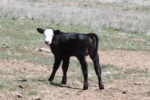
[64, 45]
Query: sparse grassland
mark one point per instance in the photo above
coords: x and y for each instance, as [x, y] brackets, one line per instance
[124, 47]
[23, 41]
[129, 16]
[24, 70]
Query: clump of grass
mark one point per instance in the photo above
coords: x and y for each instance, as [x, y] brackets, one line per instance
[130, 71]
[31, 93]
[111, 67]
[37, 79]
[113, 72]
[2, 86]
[120, 76]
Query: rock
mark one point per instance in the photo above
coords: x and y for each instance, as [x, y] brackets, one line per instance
[19, 96]
[124, 92]
[38, 99]
[3, 47]
[44, 49]
[20, 86]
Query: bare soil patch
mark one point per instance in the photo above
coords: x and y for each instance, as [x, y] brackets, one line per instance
[127, 59]
[134, 88]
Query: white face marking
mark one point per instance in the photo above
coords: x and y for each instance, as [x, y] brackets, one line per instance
[48, 36]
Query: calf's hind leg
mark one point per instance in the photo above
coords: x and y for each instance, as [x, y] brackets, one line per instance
[97, 69]
[84, 71]
[65, 69]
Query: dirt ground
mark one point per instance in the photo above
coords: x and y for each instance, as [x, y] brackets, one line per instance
[127, 59]
[134, 88]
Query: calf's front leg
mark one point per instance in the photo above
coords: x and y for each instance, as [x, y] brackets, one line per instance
[55, 67]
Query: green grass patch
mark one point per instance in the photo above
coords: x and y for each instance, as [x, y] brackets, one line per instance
[2, 86]
[130, 71]
[110, 67]
[33, 92]
[113, 72]
[111, 39]
[37, 79]
[119, 76]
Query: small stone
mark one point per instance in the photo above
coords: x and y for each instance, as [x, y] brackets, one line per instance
[19, 96]
[20, 86]
[136, 83]
[124, 92]
[44, 49]
[38, 99]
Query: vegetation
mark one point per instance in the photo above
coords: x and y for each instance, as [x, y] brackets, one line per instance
[23, 41]
[129, 17]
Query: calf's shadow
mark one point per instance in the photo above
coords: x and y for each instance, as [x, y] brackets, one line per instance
[63, 86]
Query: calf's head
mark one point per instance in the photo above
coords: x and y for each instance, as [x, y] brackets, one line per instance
[48, 35]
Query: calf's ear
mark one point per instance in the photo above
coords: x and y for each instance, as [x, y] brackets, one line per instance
[56, 31]
[40, 30]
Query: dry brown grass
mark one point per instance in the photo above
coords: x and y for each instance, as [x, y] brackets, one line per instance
[130, 16]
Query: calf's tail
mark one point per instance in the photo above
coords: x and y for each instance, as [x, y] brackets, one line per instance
[95, 38]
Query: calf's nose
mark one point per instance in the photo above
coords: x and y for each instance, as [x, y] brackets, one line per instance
[46, 42]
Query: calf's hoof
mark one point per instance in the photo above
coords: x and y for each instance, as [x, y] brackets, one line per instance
[101, 87]
[63, 82]
[50, 79]
[85, 88]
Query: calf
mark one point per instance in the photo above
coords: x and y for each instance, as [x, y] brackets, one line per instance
[64, 45]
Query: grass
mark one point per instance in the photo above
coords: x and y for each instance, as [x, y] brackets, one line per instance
[2, 86]
[23, 40]
[129, 17]
[116, 39]
[112, 73]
